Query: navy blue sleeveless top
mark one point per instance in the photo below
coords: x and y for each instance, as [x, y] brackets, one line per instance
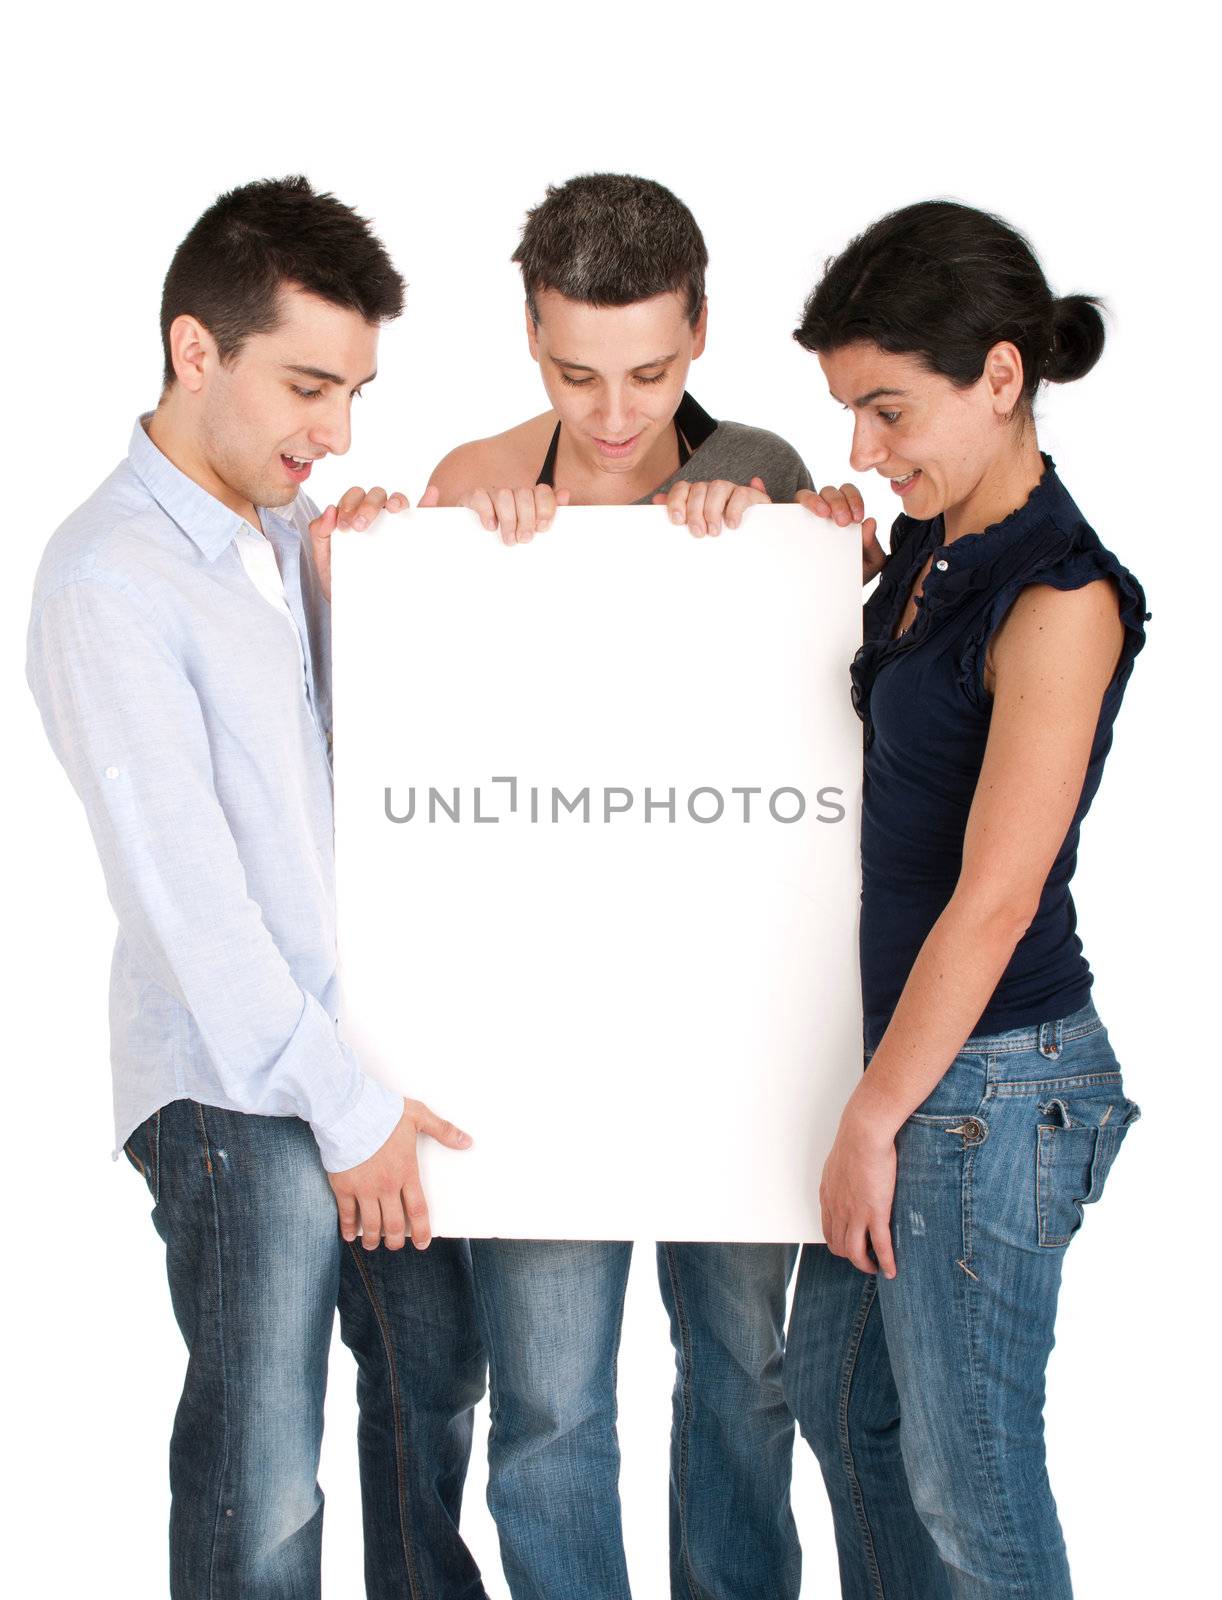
[926, 712]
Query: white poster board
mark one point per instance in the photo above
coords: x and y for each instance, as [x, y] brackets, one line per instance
[613, 932]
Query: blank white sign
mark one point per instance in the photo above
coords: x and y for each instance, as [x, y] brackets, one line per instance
[612, 930]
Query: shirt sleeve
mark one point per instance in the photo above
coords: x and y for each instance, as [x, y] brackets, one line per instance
[126, 723]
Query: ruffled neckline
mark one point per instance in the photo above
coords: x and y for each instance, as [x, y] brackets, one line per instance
[967, 562]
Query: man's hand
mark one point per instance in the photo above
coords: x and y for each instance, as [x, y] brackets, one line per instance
[706, 506]
[356, 509]
[518, 514]
[383, 1194]
[843, 506]
[856, 1192]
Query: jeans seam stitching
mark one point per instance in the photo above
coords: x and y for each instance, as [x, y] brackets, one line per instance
[685, 1352]
[218, 1519]
[846, 1447]
[967, 1286]
[405, 1540]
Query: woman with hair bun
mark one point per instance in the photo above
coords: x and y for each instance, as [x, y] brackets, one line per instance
[998, 644]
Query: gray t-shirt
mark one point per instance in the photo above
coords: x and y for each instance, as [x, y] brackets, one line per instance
[737, 453]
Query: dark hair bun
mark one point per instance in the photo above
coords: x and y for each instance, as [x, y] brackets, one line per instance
[1077, 338]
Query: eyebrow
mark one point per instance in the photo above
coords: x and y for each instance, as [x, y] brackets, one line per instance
[577, 366]
[876, 394]
[326, 377]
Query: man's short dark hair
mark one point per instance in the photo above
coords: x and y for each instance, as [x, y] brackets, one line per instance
[229, 270]
[609, 239]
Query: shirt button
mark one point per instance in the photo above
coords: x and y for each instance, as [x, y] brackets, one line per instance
[942, 565]
[112, 772]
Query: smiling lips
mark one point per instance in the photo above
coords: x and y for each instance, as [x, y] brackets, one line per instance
[298, 467]
[902, 485]
[616, 448]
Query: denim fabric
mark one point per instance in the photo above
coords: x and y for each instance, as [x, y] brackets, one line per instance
[254, 1256]
[550, 1313]
[408, 1316]
[993, 1172]
[839, 1385]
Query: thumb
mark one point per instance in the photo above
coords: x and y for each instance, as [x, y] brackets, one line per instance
[444, 1132]
[563, 496]
[758, 483]
[323, 525]
[430, 497]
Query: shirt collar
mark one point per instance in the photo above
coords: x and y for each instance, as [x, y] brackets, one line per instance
[209, 525]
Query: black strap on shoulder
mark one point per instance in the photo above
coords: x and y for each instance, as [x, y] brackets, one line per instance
[694, 427]
[547, 472]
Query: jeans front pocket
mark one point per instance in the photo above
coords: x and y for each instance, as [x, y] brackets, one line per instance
[143, 1150]
[1078, 1141]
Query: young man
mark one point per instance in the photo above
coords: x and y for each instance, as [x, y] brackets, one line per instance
[615, 314]
[179, 654]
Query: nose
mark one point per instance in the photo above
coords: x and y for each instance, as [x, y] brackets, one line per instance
[617, 412]
[868, 449]
[333, 431]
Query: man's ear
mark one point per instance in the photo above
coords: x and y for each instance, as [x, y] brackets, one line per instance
[192, 352]
[532, 333]
[699, 328]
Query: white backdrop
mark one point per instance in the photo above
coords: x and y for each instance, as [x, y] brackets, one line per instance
[785, 133]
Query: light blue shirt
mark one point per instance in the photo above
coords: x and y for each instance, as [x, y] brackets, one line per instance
[173, 694]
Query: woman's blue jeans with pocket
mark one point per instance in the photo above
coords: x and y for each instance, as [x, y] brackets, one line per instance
[923, 1396]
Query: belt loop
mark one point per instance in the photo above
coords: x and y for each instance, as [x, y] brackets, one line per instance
[1051, 1037]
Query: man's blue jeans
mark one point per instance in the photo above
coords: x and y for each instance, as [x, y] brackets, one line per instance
[923, 1397]
[550, 1314]
[256, 1265]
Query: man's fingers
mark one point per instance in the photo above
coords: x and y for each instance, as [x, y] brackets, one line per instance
[564, 495]
[349, 1216]
[347, 506]
[396, 502]
[438, 1128]
[369, 508]
[323, 525]
[880, 1239]
[371, 1221]
[417, 1211]
[394, 1222]
[430, 497]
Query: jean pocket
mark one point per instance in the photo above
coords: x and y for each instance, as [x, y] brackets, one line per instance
[143, 1150]
[1077, 1144]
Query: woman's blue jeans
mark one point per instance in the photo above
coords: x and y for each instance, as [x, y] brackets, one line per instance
[256, 1266]
[923, 1396]
[550, 1313]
